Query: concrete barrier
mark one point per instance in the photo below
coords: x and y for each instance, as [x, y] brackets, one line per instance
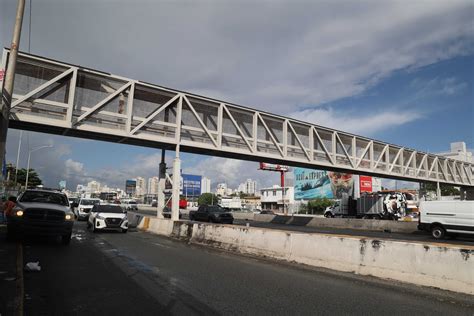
[346, 223]
[448, 267]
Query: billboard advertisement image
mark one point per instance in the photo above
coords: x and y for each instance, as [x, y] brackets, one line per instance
[130, 186]
[365, 184]
[311, 184]
[191, 185]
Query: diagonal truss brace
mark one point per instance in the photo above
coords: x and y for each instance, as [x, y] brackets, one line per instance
[102, 103]
[345, 150]
[299, 141]
[363, 154]
[330, 157]
[154, 114]
[200, 121]
[43, 86]
[237, 127]
[271, 135]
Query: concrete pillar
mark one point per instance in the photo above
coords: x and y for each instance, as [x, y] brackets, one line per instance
[176, 187]
[438, 191]
[161, 186]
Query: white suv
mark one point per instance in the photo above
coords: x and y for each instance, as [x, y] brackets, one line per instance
[108, 217]
[84, 207]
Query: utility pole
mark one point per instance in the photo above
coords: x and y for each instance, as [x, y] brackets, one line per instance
[7, 90]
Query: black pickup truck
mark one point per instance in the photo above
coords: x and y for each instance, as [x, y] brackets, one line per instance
[211, 213]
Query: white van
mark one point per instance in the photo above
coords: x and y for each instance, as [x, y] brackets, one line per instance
[445, 217]
[129, 205]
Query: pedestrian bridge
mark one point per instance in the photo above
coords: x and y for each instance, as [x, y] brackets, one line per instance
[59, 98]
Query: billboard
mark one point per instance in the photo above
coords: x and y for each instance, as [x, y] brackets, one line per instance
[365, 183]
[310, 184]
[273, 167]
[130, 186]
[190, 185]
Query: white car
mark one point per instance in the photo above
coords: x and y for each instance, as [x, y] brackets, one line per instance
[84, 206]
[108, 217]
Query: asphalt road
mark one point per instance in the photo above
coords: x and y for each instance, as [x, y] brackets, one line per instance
[143, 274]
[416, 236]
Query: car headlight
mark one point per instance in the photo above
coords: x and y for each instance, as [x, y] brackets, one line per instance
[100, 217]
[69, 217]
[19, 213]
[81, 209]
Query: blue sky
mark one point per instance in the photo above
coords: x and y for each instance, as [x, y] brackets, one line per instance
[399, 72]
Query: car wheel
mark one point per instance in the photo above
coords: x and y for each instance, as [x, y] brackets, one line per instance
[438, 232]
[191, 217]
[124, 231]
[66, 239]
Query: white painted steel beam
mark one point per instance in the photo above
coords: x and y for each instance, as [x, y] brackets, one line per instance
[46, 115]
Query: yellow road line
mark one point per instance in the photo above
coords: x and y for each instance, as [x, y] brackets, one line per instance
[20, 286]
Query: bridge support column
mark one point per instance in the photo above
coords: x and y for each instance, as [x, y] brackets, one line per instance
[176, 187]
[160, 199]
[438, 191]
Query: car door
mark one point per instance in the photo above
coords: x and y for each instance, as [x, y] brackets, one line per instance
[202, 213]
[464, 215]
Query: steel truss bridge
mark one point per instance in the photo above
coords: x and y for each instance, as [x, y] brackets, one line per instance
[59, 98]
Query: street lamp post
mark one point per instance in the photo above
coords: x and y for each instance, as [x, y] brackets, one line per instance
[29, 158]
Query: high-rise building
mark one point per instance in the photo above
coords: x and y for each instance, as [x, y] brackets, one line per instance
[205, 185]
[248, 187]
[153, 185]
[141, 186]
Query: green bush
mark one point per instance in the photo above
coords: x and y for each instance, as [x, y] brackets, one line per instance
[315, 206]
[208, 199]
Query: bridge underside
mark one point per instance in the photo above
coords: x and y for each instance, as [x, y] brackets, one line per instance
[58, 98]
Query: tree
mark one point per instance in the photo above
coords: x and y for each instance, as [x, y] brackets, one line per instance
[445, 189]
[33, 177]
[316, 206]
[207, 199]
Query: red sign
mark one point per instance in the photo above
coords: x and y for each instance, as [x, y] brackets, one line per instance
[365, 184]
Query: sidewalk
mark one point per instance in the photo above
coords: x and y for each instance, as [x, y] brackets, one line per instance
[8, 253]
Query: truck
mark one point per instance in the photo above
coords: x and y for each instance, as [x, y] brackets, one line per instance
[387, 205]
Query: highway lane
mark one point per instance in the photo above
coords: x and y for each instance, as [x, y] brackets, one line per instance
[419, 236]
[141, 273]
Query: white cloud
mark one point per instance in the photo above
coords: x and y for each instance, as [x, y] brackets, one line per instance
[357, 123]
[437, 86]
[278, 56]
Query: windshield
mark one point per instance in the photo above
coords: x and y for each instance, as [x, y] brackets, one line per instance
[107, 209]
[44, 197]
[215, 208]
[90, 202]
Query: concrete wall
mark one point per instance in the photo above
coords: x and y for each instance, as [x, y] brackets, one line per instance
[443, 266]
[350, 223]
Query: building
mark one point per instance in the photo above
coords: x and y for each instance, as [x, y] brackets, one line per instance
[141, 186]
[221, 189]
[274, 199]
[248, 187]
[205, 185]
[458, 152]
[93, 187]
[153, 185]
